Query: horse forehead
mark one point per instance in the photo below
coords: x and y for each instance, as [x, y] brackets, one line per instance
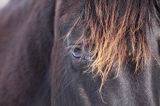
[4, 3]
[68, 15]
[70, 6]
[69, 12]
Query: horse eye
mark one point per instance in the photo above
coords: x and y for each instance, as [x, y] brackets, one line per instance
[77, 52]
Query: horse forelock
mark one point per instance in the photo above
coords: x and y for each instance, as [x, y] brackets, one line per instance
[115, 32]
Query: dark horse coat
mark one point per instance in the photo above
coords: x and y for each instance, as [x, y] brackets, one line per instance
[36, 68]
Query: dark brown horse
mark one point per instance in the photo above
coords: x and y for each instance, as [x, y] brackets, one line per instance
[80, 53]
[26, 38]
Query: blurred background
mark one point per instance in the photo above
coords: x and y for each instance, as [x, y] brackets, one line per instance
[3, 3]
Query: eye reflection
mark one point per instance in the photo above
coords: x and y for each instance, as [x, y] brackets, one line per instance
[77, 52]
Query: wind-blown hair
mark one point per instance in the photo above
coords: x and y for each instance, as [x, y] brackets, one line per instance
[115, 31]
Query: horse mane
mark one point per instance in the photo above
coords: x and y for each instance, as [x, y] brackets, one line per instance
[115, 32]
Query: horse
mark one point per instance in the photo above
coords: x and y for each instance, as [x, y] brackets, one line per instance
[26, 39]
[80, 53]
[106, 53]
